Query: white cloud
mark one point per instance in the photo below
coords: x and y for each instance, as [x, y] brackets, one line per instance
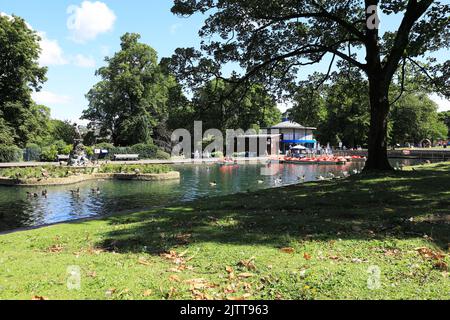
[52, 53]
[50, 98]
[82, 61]
[444, 104]
[89, 20]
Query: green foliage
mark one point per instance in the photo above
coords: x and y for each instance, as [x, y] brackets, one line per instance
[62, 130]
[131, 99]
[22, 120]
[89, 151]
[10, 153]
[134, 168]
[49, 154]
[220, 106]
[415, 118]
[6, 132]
[145, 151]
[161, 155]
[37, 172]
[340, 110]
[445, 118]
[273, 41]
[104, 146]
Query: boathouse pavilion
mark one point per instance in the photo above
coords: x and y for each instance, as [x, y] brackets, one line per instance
[293, 134]
[282, 137]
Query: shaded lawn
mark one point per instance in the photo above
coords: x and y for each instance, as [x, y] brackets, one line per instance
[310, 241]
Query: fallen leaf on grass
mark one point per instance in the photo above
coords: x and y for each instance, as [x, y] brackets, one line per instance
[199, 284]
[249, 264]
[91, 274]
[287, 250]
[57, 248]
[147, 293]
[144, 262]
[427, 253]
[181, 268]
[198, 295]
[307, 256]
[246, 275]
[441, 265]
[229, 270]
[171, 292]
[174, 278]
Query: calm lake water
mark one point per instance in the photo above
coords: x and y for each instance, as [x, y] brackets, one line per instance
[16, 211]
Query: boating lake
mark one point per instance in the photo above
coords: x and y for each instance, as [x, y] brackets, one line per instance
[16, 211]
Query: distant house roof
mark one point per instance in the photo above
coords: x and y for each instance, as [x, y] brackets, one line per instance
[291, 125]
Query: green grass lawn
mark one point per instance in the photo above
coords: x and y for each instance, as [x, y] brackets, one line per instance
[322, 240]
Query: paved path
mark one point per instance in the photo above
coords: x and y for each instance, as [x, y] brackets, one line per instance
[174, 161]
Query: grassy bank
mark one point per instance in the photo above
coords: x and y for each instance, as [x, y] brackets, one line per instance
[65, 172]
[322, 240]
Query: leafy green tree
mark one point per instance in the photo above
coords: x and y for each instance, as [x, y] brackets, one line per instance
[445, 118]
[62, 130]
[309, 107]
[221, 107]
[271, 40]
[340, 109]
[20, 74]
[131, 99]
[415, 118]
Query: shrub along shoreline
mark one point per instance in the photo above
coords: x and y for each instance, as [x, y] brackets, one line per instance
[49, 153]
[53, 175]
[313, 241]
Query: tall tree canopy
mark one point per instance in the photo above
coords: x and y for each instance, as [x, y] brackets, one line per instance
[20, 74]
[131, 99]
[219, 108]
[341, 111]
[271, 40]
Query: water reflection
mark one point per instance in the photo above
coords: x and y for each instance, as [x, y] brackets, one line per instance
[17, 211]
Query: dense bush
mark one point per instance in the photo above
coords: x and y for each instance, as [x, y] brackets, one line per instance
[134, 168]
[89, 151]
[37, 172]
[104, 146]
[49, 154]
[10, 154]
[62, 147]
[161, 155]
[145, 151]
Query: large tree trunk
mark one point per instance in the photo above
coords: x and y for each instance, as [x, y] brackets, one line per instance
[379, 111]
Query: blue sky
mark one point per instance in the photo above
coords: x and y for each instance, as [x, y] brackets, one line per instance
[77, 35]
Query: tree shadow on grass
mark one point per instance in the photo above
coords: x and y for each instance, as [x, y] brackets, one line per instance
[402, 205]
